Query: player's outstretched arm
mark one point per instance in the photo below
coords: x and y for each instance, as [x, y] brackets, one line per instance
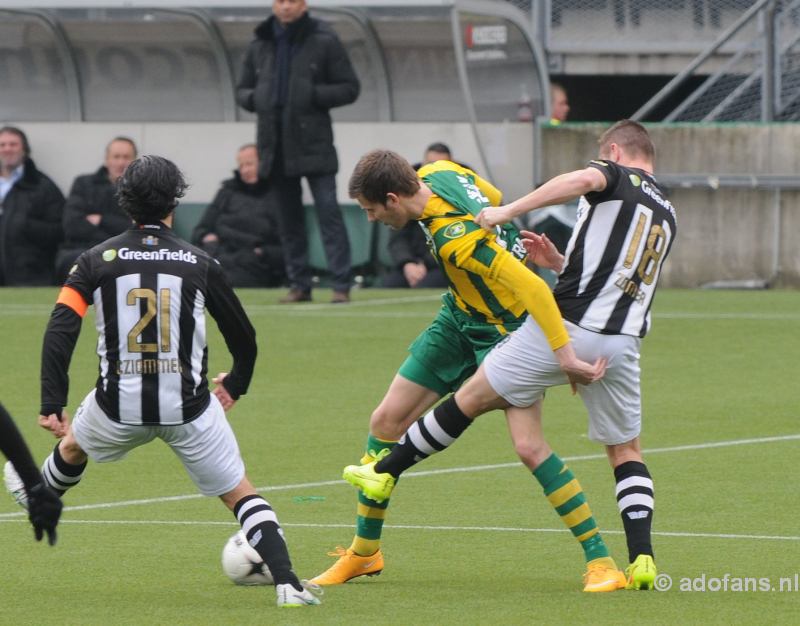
[534, 293]
[558, 190]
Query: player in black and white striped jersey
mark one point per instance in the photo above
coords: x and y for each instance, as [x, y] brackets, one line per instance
[614, 256]
[607, 281]
[150, 290]
[613, 261]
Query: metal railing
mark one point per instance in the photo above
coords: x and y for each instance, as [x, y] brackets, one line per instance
[761, 82]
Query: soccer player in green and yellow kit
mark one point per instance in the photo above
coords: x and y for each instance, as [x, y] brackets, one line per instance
[490, 294]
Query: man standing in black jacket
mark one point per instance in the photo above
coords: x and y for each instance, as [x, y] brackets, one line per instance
[295, 71]
[30, 214]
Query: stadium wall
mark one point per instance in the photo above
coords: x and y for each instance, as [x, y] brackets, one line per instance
[206, 151]
[734, 235]
[727, 234]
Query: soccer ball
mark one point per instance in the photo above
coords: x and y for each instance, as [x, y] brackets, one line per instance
[242, 564]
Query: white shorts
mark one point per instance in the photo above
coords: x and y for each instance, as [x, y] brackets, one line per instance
[523, 366]
[206, 446]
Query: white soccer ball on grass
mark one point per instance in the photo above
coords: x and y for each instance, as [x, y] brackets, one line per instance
[242, 564]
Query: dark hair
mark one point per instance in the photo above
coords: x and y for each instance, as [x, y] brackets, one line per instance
[438, 146]
[149, 188]
[630, 136]
[126, 140]
[381, 172]
[23, 137]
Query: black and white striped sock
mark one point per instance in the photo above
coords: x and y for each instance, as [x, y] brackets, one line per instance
[59, 474]
[635, 498]
[430, 434]
[264, 533]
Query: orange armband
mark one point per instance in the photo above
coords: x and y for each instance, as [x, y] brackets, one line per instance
[71, 298]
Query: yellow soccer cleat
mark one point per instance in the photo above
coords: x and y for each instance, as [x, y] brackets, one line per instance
[349, 565]
[602, 575]
[641, 574]
[375, 486]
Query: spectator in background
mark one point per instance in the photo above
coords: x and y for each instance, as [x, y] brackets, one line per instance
[437, 151]
[294, 72]
[414, 265]
[559, 104]
[240, 227]
[30, 214]
[92, 214]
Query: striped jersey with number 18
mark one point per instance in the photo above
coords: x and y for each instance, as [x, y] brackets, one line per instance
[149, 289]
[616, 252]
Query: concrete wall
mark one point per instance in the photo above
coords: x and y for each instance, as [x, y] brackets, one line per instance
[691, 148]
[206, 152]
[723, 235]
[728, 234]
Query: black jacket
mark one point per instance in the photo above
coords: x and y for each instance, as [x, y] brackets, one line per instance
[320, 78]
[92, 193]
[244, 218]
[30, 229]
[408, 245]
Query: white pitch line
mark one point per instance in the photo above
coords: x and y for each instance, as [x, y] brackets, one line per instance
[791, 317]
[336, 310]
[452, 470]
[502, 529]
[310, 306]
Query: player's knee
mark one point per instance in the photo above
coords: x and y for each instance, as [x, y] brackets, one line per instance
[532, 453]
[387, 425]
[624, 452]
[474, 400]
[70, 451]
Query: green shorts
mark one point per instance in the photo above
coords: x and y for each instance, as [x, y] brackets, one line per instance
[449, 351]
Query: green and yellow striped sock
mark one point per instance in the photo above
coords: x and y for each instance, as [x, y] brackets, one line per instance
[370, 514]
[564, 492]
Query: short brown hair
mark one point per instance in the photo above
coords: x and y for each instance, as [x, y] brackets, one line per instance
[630, 136]
[127, 140]
[381, 172]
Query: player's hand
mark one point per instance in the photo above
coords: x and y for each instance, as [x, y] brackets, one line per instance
[579, 372]
[542, 251]
[44, 510]
[56, 424]
[222, 394]
[490, 217]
